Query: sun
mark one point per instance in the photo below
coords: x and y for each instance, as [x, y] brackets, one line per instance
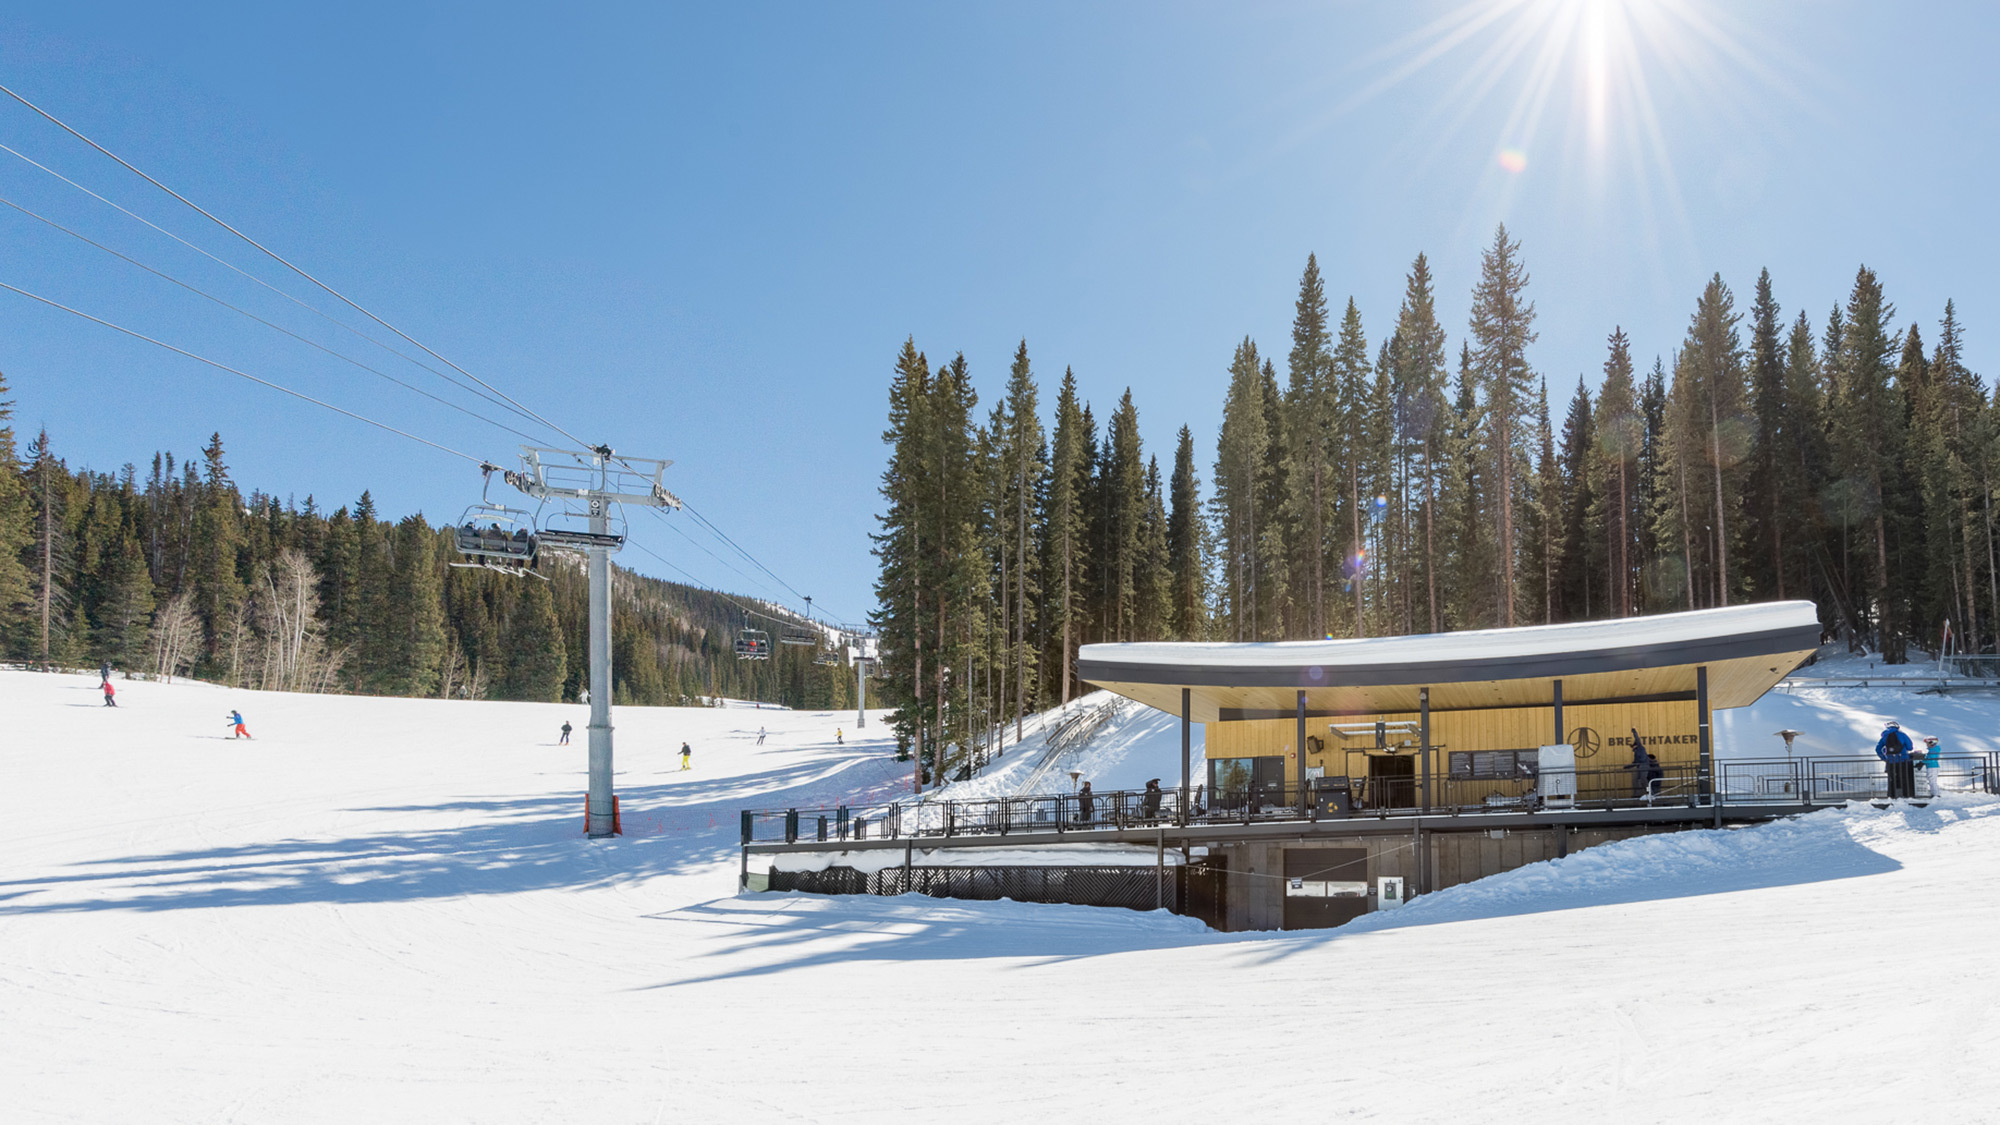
[1588, 80]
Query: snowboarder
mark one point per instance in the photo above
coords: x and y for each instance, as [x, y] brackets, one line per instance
[236, 720]
[1894, 750]
[1149, 802]
[565, 733]
[109, 691]
[760, 736]
[687, 755]
[839, 737]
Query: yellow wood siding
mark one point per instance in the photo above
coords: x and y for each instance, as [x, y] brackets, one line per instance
[1669, 729]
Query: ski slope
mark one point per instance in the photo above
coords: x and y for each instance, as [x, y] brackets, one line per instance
[384, 910]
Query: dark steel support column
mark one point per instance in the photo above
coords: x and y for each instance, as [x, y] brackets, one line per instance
[1559, 712]
[1300, 750]
[1705, 771]
[1187, 724]
[1424, 739]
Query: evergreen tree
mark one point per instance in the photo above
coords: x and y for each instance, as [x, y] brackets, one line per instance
[1422, 423]
[1186, 559]
[1274, 529]
[1543, 541]
[1664, 577]
[1312, 425]
[1708, 439]
[1125, 486]
[15, 517]
[215, 539]
[1020, 470]
[1766, 491]
[1064, 532]
[1870, 444]
[1240, 458]
[1619, 513]
[1463, 504]
[1346, 407]
[1502, 328]
[537, 664]
[1578, 596]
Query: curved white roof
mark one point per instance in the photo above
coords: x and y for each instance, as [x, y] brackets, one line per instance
[1786, 623]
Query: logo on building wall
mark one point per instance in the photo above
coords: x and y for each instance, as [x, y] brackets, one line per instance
[1586, 742]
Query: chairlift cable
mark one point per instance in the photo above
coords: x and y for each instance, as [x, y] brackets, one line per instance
[253, 316]
[336, 294]
[231, 266]
[283, 261]
[243, 374]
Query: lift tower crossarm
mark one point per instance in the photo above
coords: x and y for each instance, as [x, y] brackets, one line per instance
[593, 480]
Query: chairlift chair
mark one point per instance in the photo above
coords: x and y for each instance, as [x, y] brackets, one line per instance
[571, 530]
[495, 536]
[752, 644]
[826, 656]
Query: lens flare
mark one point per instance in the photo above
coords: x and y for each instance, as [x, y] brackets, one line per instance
[1514, 160]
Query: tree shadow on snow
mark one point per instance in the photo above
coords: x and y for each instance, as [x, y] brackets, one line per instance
[782, 931]
[471, 846]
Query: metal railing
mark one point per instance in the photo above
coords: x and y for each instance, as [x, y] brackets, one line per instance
[1734, 782]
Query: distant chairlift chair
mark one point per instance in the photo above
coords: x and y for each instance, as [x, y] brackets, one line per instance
[753, 644]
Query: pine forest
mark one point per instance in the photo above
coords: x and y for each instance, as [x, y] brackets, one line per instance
[1420, 482]
[180, 572]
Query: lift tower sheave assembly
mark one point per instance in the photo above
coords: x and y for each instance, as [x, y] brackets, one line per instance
[584, 484]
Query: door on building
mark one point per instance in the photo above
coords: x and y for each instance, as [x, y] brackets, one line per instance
[1392, 781]
[1324, 886]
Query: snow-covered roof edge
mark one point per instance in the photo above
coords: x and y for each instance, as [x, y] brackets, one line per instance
[1695, 636]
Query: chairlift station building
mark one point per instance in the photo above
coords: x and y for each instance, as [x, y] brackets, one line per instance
[1339, 775]
[1399, 715]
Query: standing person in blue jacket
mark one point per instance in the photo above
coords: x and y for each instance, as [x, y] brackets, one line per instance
[1927, 761]
[1894, 750]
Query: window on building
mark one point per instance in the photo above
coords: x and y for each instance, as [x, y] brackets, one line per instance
[1493, 765]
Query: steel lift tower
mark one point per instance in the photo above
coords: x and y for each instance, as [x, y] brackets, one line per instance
[585, 484]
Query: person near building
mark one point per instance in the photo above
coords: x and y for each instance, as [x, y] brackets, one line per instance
[1927, 761]
[1149, 802]
[1086, 804]
[1895, 751]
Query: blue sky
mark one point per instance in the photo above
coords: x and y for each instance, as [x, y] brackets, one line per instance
[702, 233]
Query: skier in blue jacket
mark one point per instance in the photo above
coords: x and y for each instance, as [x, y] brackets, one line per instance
[1894, 750]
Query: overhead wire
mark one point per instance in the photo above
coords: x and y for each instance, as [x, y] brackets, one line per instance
[706, 588]
[283, 261]
[268, 324]
[503, 399]
[234, 268]
[243, 374]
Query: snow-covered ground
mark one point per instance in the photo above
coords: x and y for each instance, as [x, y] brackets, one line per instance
[384, 910]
